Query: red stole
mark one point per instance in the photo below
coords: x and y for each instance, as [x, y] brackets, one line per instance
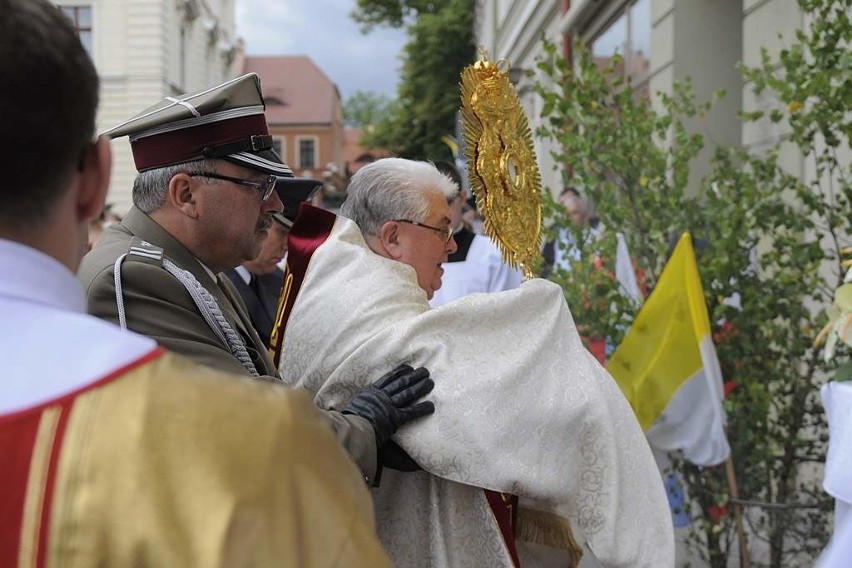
[311, 229]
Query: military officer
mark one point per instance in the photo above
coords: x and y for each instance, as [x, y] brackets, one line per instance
[203, 202]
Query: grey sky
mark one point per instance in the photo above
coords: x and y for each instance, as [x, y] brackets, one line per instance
[323, 30]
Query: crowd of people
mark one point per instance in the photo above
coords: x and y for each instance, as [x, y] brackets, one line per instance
[172, 397]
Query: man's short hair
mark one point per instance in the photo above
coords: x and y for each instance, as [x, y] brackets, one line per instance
[574, 197]
[48, 100]
[151, 186]
[393, 188]
[568, 190]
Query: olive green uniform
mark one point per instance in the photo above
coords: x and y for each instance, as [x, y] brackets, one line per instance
[158, 305]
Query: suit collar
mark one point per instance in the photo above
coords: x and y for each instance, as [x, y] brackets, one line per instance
[464, 239]
[245, 275]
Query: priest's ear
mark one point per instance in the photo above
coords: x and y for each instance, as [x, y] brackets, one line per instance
[390, 241]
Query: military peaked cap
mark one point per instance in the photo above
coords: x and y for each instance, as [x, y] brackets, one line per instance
[224, 122]
[293, 192]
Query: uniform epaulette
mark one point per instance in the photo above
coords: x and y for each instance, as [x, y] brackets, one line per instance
[143, 251]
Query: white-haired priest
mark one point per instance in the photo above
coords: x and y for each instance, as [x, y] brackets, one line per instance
[531, 440]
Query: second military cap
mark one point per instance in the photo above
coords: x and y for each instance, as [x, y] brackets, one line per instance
[224, 122]
[293, 192]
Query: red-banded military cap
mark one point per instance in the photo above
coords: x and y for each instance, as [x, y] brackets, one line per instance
[225, 122]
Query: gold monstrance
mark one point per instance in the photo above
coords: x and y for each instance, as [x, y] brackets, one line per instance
[505, 180]
[501, 162]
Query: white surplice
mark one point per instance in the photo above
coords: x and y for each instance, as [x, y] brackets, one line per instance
[482, 270]
[521, 407]
[837, 400]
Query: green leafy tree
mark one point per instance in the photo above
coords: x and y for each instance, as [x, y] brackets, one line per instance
[440, 45]
[365, 109]
[762, 233]
[812, 82]
[393, 13]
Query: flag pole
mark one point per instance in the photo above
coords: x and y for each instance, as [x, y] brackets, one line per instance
[745, 562]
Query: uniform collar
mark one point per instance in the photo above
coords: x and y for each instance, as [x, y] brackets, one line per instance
[209, 272]
[36, 277]
[140, 224]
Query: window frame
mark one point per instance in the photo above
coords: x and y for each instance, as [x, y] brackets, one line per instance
[75, 21]
[298, 157]
[602, 21]
[281, 142]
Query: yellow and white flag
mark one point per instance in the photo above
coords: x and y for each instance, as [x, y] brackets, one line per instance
[667, 366]
[625, 275]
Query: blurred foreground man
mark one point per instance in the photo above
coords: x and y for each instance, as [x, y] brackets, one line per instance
[523, 409]
[203, 202]
[116, 453]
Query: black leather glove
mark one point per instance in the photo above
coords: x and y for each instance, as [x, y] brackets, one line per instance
[392, 456]
[389, 403]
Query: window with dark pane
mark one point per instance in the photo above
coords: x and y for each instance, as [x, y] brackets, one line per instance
[627, 32]
[307, 150]
[81, 17]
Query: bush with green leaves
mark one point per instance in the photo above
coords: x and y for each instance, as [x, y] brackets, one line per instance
[761, 233]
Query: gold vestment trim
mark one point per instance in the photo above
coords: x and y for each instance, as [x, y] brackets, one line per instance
[36, 486]
[549, 529]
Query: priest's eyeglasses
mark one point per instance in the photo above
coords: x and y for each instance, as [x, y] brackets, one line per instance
[265, 187]
[446, 234]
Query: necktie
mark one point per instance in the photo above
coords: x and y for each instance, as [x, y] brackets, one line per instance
[254, 285]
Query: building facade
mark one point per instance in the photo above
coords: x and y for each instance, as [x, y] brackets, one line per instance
[305, 116]
[145, 50]
[355, 155]
[661, 41]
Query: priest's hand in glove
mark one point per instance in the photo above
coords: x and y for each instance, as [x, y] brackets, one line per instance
[391, 402]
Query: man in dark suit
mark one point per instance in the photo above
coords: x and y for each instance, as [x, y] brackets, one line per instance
[259, 280]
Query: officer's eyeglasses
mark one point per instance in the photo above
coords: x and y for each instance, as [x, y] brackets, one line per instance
[446, 234]
[265, 187]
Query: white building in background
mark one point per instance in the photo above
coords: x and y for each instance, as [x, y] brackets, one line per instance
[145, 50]
[661, 41]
